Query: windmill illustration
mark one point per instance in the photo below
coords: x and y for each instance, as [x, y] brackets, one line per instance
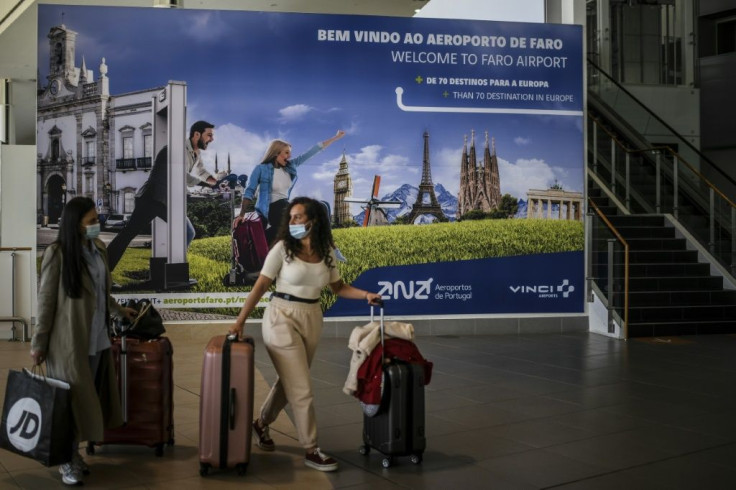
[375, 213]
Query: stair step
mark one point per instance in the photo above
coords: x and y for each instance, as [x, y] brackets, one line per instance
[662, 329]
[643, 244]
[708, 283]
[658, 256]
[681, 298]
[645, 231]
[668, 270]
[636, 220]
[664, 269]
[681, 313]
[663, 256]
[656, 243]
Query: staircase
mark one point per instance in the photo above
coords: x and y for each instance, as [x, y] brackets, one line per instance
[680, 228]
[670, 291]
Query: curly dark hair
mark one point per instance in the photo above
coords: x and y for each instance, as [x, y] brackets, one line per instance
[320, 233]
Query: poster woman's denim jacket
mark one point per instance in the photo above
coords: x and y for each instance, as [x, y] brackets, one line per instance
[262, 177]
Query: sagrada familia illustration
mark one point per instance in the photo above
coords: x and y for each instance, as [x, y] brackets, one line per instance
[480, 185]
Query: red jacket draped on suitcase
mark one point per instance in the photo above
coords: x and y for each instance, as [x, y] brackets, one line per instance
[370, 372]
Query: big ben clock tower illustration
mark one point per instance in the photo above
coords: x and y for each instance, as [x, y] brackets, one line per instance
[343, 187]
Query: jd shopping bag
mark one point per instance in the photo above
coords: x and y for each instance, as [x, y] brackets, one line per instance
[37, 418]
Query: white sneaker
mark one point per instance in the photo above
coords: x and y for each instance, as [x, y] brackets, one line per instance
[70, 475]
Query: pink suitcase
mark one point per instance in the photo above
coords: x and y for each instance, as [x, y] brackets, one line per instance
[226, 404]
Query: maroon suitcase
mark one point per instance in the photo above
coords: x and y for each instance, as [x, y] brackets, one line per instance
[145, 380]
[226, 404]
[249, 243]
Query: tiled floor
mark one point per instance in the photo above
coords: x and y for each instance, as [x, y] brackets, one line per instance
[577, 411]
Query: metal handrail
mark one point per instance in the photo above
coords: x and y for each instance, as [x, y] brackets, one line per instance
[708, 197]
[660, 120]
[665, 148]
[625, 244]
[13, 318]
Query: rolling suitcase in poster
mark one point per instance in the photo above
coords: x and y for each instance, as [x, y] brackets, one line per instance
[249, 242]
[398, 428]
[249, 250]
[145, 380]
[226, 404]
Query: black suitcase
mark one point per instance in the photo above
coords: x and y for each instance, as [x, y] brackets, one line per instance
[398, 429]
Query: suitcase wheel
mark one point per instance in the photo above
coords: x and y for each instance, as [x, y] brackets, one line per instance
[387, 461]
[204, 469]
[226, 281]
[241, 468]
[364, 450]
[415, 458]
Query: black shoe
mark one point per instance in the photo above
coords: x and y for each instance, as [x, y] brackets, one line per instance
[263, 439]
[320, 461]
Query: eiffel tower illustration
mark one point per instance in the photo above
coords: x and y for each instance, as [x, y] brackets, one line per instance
[426, 202]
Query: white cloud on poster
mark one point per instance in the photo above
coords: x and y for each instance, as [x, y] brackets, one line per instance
[517, 178]
[294, 112]
[246, 149]
[207, 27]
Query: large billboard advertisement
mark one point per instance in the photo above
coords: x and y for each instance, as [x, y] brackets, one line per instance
[457, 187]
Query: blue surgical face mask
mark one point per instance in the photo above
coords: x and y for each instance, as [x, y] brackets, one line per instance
[92, 231]
[298, 231]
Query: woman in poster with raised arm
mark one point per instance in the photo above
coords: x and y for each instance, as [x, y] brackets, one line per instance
[273, 179]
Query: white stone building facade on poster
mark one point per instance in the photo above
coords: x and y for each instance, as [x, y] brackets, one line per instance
[90, 143]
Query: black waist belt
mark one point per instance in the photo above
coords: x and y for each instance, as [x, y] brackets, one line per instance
[291, 297]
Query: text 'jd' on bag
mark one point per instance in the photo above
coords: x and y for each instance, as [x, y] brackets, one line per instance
[37, 418]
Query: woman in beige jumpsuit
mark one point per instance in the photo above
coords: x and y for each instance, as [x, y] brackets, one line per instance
[302, 262]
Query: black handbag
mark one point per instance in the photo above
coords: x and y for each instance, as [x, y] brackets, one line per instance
[37, 418]
[147, 325]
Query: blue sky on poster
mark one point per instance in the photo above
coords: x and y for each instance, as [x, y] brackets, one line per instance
[260, 76]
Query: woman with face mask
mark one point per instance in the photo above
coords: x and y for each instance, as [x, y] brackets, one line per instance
[271, 182]
[302, 262]
[71, 334]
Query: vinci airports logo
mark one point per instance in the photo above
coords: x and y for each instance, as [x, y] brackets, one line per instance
[562, 290]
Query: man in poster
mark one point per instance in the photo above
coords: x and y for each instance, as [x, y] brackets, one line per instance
[151, 198]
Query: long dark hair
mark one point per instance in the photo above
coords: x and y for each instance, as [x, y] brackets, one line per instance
[320, 234]
[70, 244]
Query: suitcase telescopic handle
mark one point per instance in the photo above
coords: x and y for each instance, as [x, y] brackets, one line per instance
[382, 328]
